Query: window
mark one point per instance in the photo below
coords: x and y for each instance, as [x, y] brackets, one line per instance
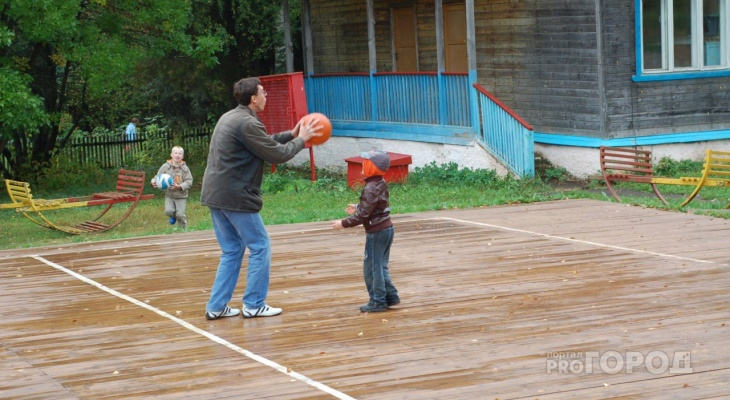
[682, 36]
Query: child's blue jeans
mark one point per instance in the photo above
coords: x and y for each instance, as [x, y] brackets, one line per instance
[375, 266]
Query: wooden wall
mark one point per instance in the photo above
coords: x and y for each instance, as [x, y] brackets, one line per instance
[541, 58]
[339, 36]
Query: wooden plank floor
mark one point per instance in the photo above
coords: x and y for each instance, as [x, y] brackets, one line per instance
[493, 299]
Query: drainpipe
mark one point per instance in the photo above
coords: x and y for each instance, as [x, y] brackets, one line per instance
[471, 55]
[307, 27]
[287, 36]
[372, 60]
[440, 59]
[601, 60]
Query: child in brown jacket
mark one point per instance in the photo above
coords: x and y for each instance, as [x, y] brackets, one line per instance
[373, 213]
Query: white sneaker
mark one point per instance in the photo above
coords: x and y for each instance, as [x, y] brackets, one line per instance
[265, 311]
[226, 312]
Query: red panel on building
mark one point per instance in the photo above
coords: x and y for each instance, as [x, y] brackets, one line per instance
[286, 104]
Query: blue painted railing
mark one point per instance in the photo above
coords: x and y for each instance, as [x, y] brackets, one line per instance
[421, 106]
[424, 106]
[341, 97]
[506, 135]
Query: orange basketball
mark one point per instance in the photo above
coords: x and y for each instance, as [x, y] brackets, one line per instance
[326, 127]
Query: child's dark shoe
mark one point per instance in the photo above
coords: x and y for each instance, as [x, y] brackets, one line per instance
[392, 300]
[373, 307]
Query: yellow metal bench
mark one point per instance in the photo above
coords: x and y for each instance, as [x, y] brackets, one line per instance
[623, 164]
[129, 188]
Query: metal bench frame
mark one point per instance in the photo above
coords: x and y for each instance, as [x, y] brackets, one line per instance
[624, 164]
[129, 188]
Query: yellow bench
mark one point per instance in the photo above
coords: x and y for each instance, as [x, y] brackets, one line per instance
[624, 164]
[129, 188]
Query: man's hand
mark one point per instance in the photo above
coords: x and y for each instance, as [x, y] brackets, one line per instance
[337, 225]
[307, 130]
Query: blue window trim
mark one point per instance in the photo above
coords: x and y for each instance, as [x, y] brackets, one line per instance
[669, 76]
[679, 75]
[669, 138]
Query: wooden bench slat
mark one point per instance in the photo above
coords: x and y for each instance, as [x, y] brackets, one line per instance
[630, 178]
[630, 169]
[623, 151]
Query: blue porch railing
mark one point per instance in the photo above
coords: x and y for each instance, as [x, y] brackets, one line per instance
[506, 135]
[425, 107]
[341, 97]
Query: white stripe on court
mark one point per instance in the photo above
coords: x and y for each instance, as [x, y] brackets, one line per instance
[545, 235]
[337, 394]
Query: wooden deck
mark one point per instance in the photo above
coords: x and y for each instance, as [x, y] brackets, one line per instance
[494, 299]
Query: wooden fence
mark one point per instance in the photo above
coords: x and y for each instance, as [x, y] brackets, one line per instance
[113, 151]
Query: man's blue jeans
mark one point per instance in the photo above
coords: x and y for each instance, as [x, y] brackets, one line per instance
[235, 232]
[375, 265]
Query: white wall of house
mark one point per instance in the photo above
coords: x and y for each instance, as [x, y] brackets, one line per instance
[582, 162]
[579, 162]
[333, 153]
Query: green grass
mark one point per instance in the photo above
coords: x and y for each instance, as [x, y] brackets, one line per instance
[290, 197]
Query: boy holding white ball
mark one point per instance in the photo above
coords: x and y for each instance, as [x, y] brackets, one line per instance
[177, 194]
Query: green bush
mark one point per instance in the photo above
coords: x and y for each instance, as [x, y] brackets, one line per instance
[671, 168]
[557, 174]
[450, 174]
[62, 176]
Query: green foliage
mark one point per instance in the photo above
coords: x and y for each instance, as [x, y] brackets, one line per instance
[6, 36]
[450, 174]
[21, 112]
[156, 151]
[558, 174]
[671, 168]
[62, 176]
[70, 64]
[74, 68]
[288, 179]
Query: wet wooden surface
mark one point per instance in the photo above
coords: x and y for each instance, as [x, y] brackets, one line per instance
[490, 297]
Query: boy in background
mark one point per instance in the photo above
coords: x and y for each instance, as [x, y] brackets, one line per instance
[176, 196]
[373, 212]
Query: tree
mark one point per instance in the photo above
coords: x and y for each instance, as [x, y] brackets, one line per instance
[60, 59]
[186, 92]
[252, 28]
[71, 66]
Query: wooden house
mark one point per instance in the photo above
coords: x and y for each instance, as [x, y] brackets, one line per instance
[562, 77]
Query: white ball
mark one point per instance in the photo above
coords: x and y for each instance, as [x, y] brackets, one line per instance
[164, 181]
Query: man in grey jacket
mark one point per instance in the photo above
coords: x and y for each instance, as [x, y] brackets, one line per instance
[232, 190]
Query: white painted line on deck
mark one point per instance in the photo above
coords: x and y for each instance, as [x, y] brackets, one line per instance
[609, 246]
[193, 328]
